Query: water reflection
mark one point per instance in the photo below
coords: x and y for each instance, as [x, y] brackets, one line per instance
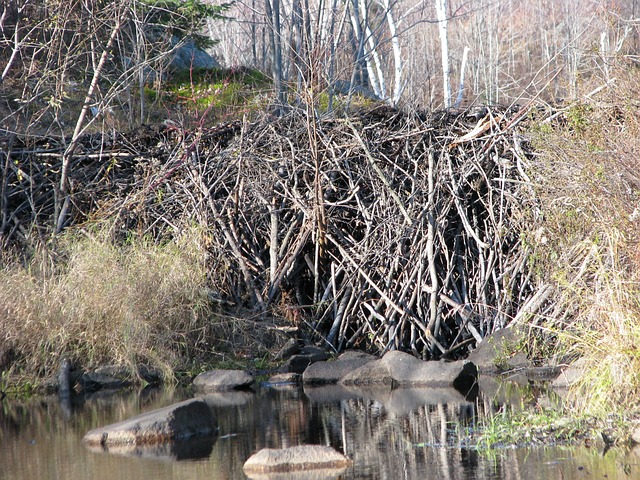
[389, 434]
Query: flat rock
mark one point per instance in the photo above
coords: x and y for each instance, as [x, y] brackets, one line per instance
[220, 380]
[300, 458]
[332, 371]
[180, 421]
[404, 370]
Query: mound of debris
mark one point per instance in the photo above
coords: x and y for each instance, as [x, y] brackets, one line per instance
[384, 230]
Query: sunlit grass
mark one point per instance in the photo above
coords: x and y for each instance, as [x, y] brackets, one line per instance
[134, 303]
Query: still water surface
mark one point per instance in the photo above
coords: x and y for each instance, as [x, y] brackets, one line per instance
[404, 434]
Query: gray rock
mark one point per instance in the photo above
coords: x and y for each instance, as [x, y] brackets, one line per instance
[332, 371]
[400, 369]
[300, 458]
[218, 380]
[408, 371]
[189, 56]
[371, 373]
[498, 352]
[180, 421]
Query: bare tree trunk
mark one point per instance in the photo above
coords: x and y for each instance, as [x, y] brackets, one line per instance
[275, 37]
[441, 13]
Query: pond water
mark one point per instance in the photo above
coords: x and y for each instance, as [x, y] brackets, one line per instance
[400, 434]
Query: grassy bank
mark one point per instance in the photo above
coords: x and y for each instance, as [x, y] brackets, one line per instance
[589, 190]
[95, 300]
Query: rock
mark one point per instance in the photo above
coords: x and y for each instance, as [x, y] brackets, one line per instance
[570, 375]
[217, 380]
[301, 458]
[371, 373]
[296, 364]
[180, 421]
[498, 352]
[331, 372]
[403, 370]
[290, 348]
[188, 56]
[308, 354]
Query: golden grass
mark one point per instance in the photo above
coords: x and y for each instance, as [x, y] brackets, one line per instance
[589, 187]
[135, 303]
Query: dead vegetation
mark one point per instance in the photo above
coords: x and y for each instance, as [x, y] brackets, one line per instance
[384, 230]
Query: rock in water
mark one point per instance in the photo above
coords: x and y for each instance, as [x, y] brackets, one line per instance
[217, 380]
[180, 421]
[295, 459]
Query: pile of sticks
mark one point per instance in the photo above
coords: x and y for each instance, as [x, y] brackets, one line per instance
[384, 230]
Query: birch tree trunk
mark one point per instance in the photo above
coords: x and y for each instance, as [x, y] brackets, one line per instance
[397, 53]
[441, 15]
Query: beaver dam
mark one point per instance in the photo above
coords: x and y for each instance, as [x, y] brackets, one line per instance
[384, 230]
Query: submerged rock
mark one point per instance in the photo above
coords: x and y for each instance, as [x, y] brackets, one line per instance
[217, 380]
[303, 457]
[180, 421]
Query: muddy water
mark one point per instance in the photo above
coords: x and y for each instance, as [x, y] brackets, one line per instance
[407, 434]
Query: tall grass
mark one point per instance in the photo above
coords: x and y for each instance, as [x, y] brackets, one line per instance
[103, 302]
[589, 190]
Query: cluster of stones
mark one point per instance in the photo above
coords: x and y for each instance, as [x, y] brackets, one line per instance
[395, 371]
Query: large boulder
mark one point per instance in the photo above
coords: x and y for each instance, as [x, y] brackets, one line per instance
[300, 458]
[188, 56]
[328, 372]
[404, 370]
[220, 380]
[181, 421]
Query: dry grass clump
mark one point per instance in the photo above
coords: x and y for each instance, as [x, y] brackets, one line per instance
[140, 302]
[589, 190]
